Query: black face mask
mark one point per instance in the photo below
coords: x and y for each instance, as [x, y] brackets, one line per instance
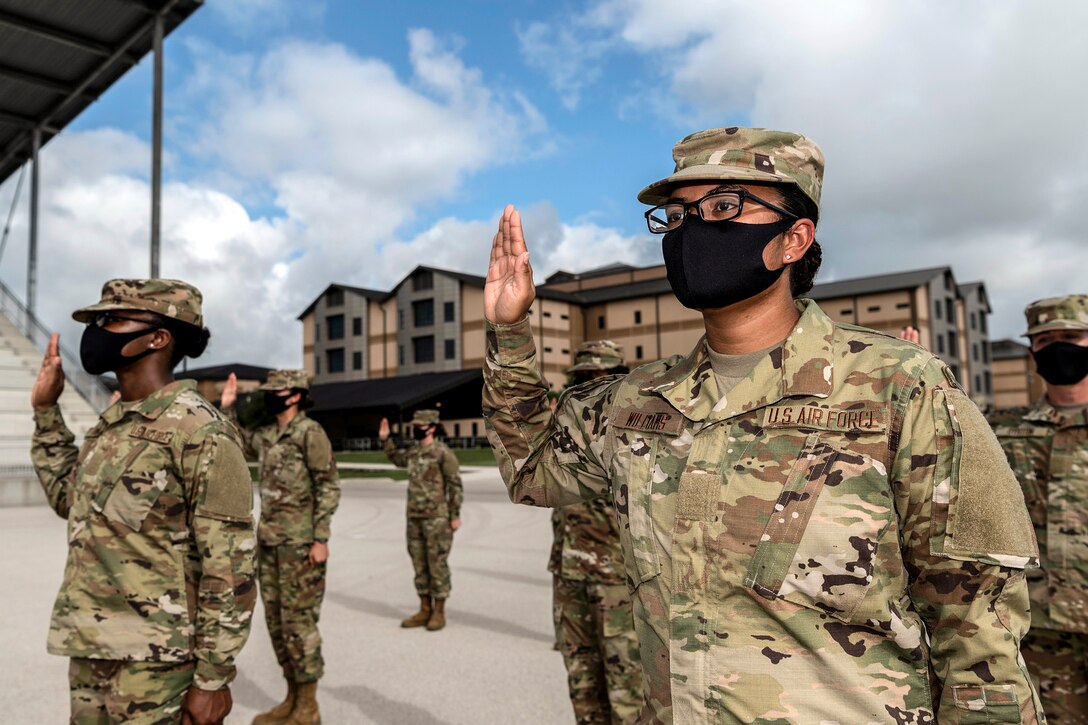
[716, 264]
[420, 433]
[100, 349]
[275, 404]
[1062, 363]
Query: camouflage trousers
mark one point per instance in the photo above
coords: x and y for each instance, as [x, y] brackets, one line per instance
[141, 693]
[292, 590]
[600, 649]
[1058, 662]
[429, 542]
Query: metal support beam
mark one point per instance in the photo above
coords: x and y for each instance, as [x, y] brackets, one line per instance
[34, 79]
[32, 250]
[156, 146]
[79, 42]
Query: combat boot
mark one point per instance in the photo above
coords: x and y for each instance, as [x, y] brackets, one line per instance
[279, 714]
[438, 616]
[305, 712]
[421, 617]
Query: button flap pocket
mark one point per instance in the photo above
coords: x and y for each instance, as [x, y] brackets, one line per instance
[131, 493]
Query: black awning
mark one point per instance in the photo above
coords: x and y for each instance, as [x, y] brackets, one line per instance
[400, 393]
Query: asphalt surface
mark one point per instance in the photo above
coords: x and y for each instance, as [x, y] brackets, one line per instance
[493, 663]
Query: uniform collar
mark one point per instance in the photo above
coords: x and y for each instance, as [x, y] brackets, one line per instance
[1044, 412]
[293, 423]
[153, 405]
[801, 365]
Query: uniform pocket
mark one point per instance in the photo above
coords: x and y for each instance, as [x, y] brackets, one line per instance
[820, 542]
[634, 476]
[128, 495]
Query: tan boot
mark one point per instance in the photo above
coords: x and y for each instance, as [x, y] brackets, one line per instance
[438, 616]
[305, 712]
[279, 714]
[421, 617]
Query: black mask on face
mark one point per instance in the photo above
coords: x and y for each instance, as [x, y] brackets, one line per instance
[275, 404]
[715, 264]
[420, 433]
[1062, 363]
[100, 349]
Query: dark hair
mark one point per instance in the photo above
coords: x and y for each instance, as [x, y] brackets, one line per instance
[189, 340]
[306, 401]
[803, 271]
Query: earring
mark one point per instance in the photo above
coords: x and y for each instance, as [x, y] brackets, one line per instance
[788, 257]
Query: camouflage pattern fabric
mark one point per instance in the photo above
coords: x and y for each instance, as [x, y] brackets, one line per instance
[429, 543]
[167, 297]
[300, 489]
[1048, 451]
[1058, 661]
[597, 355]
[160, 534]
[292, 590]
[287, 380]
[137, 693]
[600, 651]
[1057, 313]
[839, 539]
[427, 416]
[434, 479]
[588, 543]
[743, 155]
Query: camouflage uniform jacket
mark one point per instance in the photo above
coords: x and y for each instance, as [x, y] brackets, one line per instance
[837, 540]
[1048, 451]
[434, 479]
[160, 534]
[586, 546]
[300, 490]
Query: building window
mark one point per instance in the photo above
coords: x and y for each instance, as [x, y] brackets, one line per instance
[448, 312]
[940, 344]
[953, 348]
[423, 313]
[600, 322]
[422, 280]
[982, 323]
[547, 349]
[451, 349]
[564, 317]
[456, 430]
[400, 319]
[400, 354]
[847, 312]
[638, 352]
[547, 314]
[949, 315]
[988, 380]
[334, 324]
[565, 351]
[873, 308]
[974, 351]
[638, 317]
[357, 326]
[985, 353]
[903, 306]
[356, 361]
[937, 308]
[423, 349]
[974, 320]
[475, 429]
[335, 360]
[317, 330]
[978, 384]
[317, 364]
[334, 297]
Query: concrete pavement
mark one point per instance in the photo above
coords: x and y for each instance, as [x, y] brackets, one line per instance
[493, 663]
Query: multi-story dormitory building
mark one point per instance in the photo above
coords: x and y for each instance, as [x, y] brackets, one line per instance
[375, 353]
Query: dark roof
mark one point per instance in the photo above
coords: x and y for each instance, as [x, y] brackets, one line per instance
[876, 283]
[58, 57]
[970, 288]
[564, 276]
[404, 391]
[371, 294]
[1007, 350]
[222, 372]
[471, 279]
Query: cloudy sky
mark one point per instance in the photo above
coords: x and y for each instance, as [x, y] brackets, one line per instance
[349, 141]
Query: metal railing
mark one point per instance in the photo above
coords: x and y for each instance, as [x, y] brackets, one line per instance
[89, 386]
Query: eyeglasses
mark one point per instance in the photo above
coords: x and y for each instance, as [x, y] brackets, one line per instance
[107, 318]
[717, 206]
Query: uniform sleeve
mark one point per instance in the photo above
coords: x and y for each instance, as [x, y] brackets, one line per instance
[455, 491]
[222, 523]
[326, 484]
[246, 436]
[555, 556]
[397, 456]
[546, 458]
[54, 454]
[966, 540]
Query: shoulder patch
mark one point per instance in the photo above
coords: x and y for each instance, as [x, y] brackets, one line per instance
[228, 488]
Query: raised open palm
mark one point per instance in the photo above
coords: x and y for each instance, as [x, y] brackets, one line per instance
[509, 291]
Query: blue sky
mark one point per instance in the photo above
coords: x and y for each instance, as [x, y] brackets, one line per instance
[319, 141]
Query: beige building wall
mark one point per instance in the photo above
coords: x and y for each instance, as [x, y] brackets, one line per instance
[382, 346]
[966, 378]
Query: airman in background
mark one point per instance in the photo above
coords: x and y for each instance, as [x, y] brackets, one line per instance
[300, 492]
[435, 496]
[594, 624]
[159, 586]
[1047, 447]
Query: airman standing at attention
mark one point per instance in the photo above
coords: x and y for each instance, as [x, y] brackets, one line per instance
[159, 587]
[435, 495]
[594, 623]
[300, 492]
[1047, 446]
[817, 523]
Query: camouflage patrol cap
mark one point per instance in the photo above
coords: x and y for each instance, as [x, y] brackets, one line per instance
[597, 355]
[425, 417]
[1057, 313]
[287, 380]
[744, 155]
[167, 297]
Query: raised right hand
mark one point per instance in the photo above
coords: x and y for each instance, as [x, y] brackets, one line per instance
[50, 383]
[910, 334]
[383, 430]
[509, 291]
[230, 392]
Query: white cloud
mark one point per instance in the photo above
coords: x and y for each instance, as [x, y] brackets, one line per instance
[252, 17]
